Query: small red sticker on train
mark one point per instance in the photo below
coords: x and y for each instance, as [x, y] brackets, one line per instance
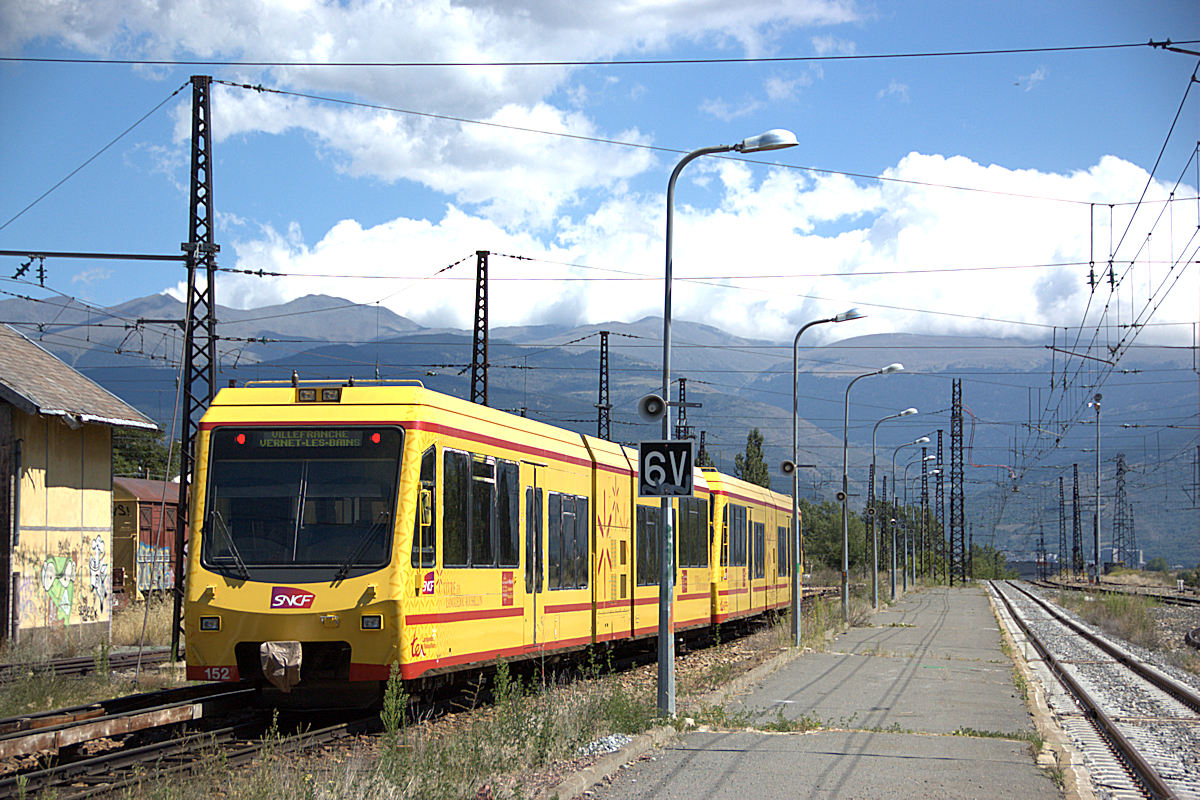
[287, 597]
[506, 588]
[427, 583]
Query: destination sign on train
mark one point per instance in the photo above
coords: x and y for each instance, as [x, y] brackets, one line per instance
[309, 437]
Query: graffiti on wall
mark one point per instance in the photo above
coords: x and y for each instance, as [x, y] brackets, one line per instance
[65, 584]
[58, 582]
[154, 569]
[98, 567]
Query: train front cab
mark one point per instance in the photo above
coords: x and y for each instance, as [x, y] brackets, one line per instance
[299, 510]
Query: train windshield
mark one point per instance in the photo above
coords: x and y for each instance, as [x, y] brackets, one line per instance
[300, 497]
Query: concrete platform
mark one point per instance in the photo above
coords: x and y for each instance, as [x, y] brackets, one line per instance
[888, 697]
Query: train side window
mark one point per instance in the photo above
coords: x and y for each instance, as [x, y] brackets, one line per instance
[533, 540]
[781, 550]
[483, 499]
[647, 545]
[507, 528]
[725, 535]
[737, 536]
[582, 549]
[693, 532]
[760, 550]
[424, 547]
[456, 478]
[570, 558]
[554, 541]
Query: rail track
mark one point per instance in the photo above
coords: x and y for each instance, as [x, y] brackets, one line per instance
[1167, 597]
[98, 749]
[84, 665]
[1137, 726]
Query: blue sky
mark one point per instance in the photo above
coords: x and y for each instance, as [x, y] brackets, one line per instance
[368, 204]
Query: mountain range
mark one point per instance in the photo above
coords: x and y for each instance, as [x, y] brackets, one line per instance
[1014, 450]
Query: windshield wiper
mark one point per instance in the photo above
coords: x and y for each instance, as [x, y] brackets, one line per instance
[344, 570]
[237, 557]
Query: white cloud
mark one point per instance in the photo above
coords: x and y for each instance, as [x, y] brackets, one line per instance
[1033, 79]
[726, 112]
[779, 247]
[829, 45]
[896, 90]
[458, 160]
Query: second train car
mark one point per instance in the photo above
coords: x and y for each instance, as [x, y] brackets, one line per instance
[340, 529]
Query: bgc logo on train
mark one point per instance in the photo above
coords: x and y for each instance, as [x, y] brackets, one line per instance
[287, 597]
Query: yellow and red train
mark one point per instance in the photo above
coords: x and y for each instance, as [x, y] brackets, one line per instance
[340, 529]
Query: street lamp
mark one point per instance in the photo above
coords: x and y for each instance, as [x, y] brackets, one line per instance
[908, 412]
[895, 494]
[1095, 403]
[888, 370]
[774, 139]
[794, 540]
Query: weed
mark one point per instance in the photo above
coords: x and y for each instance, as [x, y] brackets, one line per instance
[1033, 737]
[782, 724]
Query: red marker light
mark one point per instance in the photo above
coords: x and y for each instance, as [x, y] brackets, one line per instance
[240, 438]
[376, 438]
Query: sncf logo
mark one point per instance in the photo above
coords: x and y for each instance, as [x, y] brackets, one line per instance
[427, 584]
[287, 597]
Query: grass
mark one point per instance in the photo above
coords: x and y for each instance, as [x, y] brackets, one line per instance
[40, 689]
[1123, 615]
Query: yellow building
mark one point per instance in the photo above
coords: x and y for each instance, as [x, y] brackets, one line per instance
[56, 494]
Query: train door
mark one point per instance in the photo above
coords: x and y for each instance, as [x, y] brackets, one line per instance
[535, 570]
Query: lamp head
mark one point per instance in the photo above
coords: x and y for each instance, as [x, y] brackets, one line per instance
[922, 440]
[846, 316]
[890, 368]
[774, 139]
[908, 412]
[930, 458]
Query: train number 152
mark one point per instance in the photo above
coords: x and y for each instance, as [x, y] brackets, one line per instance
[218, 674]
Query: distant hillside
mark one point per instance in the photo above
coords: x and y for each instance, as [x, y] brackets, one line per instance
[552, 373]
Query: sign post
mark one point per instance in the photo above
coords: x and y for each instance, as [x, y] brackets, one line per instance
[665, 470]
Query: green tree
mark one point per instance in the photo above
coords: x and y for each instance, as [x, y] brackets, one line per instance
[752, 466]
[1157, 564]
[140, 453]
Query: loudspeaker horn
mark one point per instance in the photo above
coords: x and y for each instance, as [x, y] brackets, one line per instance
[787, 467]
[651, 408]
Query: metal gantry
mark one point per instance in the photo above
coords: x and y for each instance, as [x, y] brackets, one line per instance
[959, 554]
[1076, 533]
[1062, 526]
[939, 509]
[479, 347]
[1124, 546]
[200, 326]
[603, 407]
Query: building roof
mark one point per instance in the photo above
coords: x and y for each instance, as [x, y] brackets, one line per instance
[38, 382]
[145, 490]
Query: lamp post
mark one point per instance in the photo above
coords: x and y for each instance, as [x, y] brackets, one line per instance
[794, 544]
[908, 412]
[889, 369]
[775, 139]
[1095, 403]
[895, 494]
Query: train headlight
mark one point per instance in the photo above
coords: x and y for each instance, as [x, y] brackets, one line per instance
[210, 623]
[372, 622]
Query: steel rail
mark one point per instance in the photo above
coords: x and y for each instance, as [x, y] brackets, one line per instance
[1169, 598]
[1182, 693]
[1144, 771]
[57, 730]
[82, 665]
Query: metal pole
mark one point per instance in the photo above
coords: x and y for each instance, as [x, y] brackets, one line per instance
[666, 581]
[1096, 531]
